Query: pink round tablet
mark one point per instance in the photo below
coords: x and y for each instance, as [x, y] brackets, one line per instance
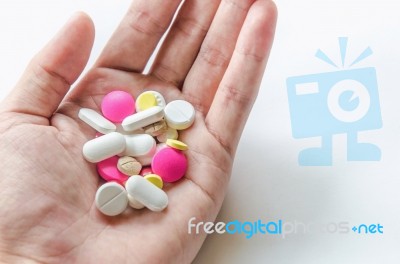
[108, 170]
[170, 164]
[117, 105]
[146, 170]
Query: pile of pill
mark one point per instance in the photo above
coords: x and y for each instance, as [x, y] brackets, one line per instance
[136, 149]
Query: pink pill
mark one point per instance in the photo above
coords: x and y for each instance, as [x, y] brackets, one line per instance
[117, 105]
[146, 170]
[170, 164]
[108, 170]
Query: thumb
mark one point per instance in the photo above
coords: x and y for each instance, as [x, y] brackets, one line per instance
[51, 72]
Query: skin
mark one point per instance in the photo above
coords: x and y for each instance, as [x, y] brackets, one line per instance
[213, 57]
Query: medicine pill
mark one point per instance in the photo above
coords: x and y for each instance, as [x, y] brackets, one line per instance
[117, 105]
[108, 170]
[122, 131]
[171, 133]
[146, 193]
[96, 121]
[129, 166]
[147, 99]
[146, 170]
[104, 147]
[176, 144]
[170, 164]
[156, 129]
[143, 118]
[179, 114]
[146, 159]
[111, 199]
[134, 203]
[155, 179]
[139, 145]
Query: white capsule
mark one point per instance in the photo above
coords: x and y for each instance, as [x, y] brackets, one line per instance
[138, 145]
[96, 121]
[104, 147]
[146, 160]
[143, 118]
[134, 203]
[111, 199]
[171, 133]
[146, 193]
[121, 130]
[179, 114]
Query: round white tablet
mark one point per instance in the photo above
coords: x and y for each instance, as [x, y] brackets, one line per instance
[111, 199]
[179, 114]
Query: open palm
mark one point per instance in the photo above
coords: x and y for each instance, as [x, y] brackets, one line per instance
[214, 57]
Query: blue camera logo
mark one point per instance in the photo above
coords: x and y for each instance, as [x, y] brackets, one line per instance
[325, 104]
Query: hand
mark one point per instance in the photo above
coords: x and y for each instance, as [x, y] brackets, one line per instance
[214, 57]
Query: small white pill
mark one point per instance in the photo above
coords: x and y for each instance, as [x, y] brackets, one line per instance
[146, 160]
[134, 203]
[143, 118]
[171, 133]
[111, 199]
[139, 145]
[179, 114]
[104, 147]
[146, 193]
[96, 121]
[161, 146]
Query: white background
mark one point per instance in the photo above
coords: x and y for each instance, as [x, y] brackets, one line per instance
[267, 182]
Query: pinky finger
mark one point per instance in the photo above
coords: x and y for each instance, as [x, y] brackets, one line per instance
[239, 87]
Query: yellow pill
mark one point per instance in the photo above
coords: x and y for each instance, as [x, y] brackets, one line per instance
[155, 179]
[145, 101]
[176, 144]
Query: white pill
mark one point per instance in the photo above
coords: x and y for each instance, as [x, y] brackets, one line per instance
[171, 133]
[146, 160]
[104, 147]
[96, 121]
[179, 114]
[161, 146]
[134, 203]
[143, 118]
[146, 193]
[111, 199]
[138, 145]
[122, 131]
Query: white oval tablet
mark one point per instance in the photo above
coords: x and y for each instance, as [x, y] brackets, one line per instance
[146, 193]
[138, 145]
[104, 147]
[111, 199]
[171, 133]
[122, 131]
[179, 114]
[134, 203]
[96, 121]
[146, 160]
[143, 118]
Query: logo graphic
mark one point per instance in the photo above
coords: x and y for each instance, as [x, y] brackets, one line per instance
[280, 228]
[343, 101]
